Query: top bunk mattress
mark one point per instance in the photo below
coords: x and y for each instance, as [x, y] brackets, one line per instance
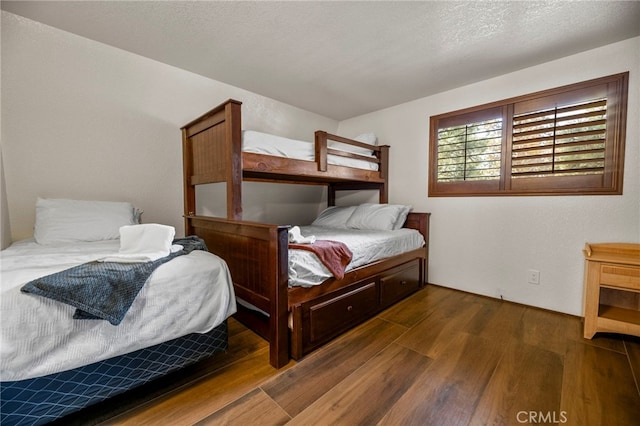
[264, 143]
[192, 293]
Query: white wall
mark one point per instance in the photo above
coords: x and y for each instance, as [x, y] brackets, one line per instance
[5, 225]
[84, 120]
[486, 245]
[88, 121]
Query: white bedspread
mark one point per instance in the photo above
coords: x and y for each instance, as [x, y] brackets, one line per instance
[264, 143]
[190, 294]
[305, 269]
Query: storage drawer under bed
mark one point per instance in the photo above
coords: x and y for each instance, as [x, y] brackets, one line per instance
[333, 316]
[319, 320]
[399, 283]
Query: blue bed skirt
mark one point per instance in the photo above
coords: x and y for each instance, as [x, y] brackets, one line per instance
[44, 399]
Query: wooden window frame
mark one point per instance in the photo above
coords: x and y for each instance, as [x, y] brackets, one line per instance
[609, 182]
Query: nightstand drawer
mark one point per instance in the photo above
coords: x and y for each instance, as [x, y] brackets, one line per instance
[620, 276]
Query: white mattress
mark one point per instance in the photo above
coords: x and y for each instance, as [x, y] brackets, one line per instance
[264, 143]
[305, 269]
[190, 294]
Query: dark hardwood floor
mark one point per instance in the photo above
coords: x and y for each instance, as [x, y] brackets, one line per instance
[440, 357]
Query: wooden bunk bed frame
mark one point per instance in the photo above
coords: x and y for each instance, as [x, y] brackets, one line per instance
[212, 153]
[294, 320]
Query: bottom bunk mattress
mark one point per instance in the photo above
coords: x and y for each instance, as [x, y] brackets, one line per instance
[366, 246]
[44, 399]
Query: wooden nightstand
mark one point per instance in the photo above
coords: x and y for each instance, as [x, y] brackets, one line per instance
[612, 289]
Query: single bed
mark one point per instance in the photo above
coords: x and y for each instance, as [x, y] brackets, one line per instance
[295, 319]
[53, 364]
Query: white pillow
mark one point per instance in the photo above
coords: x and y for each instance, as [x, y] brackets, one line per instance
[385, 217]
[369, 138]
[402, 217]
[334, 217]
[60, 220]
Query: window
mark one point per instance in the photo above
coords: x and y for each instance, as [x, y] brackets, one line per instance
[568, 140]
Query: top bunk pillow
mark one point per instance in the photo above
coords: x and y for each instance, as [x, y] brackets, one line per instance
[384, 217]
[63, 221]
[334, 217]
[368, 138]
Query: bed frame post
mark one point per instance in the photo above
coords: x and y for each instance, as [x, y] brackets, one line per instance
[384, 173]
[233, 135]
[420, 222]
[189, 190]
[331, 195]
[257, 257]
[279, 330]
[321, 150]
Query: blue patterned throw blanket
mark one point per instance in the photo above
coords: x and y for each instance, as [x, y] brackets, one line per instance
[104, 290]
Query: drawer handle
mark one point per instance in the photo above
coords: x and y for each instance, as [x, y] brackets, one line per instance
[349, 308]
[403, 282]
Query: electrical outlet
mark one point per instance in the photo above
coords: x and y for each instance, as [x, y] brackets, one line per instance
[533, 276]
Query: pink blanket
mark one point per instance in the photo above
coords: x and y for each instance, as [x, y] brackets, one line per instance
[333, 254]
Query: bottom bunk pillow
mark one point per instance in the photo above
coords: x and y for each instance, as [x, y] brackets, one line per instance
[43, 399]
[384, 217]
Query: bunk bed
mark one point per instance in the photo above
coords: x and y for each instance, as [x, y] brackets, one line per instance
[295, 320]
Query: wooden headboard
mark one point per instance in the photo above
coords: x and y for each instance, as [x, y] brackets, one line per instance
[212, 152]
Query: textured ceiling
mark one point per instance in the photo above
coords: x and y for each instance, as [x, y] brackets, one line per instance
[343, 59]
